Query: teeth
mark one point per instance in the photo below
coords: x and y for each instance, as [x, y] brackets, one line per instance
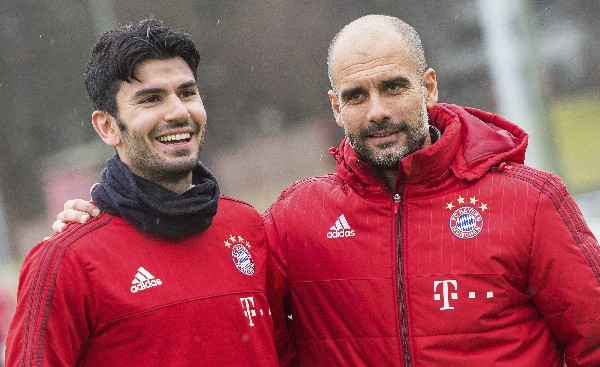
[174, 137]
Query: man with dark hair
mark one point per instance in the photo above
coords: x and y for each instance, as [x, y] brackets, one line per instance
[432, 244]
[172, 273]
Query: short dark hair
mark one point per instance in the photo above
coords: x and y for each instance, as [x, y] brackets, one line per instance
[118, 52]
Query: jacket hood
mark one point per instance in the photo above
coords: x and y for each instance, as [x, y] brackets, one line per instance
[472, 142]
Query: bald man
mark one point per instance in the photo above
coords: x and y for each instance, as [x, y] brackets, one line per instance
[432, 244]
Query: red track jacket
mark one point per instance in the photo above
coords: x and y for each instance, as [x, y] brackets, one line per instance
[474, 260]
[107, 294]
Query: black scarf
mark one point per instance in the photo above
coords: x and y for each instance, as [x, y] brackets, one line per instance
[153, 208]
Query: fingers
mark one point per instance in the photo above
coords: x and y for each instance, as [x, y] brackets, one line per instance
[82, 206]
[75, 210]
[58, 227]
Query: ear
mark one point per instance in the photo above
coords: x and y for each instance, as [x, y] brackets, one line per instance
[106, 126]
[335, 107]
[431, 89]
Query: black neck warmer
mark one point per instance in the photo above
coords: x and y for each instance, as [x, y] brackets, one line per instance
[153, 208]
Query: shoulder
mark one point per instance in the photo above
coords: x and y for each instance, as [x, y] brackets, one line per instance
[553, 199]
[229, 201]
[306, 195]
[311, 185]
[546, 183]
[71, 241]
[61, 256]
[241, 207]
[235, 209]
[75, 232]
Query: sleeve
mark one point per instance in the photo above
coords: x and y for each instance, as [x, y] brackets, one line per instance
[564, 275]
[53, 316]
[283, 334]
[5, 316]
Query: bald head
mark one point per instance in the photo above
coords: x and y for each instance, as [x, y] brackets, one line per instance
[361, 35]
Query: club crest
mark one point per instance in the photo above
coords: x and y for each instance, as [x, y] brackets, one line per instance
[466, 221]
[240, 254]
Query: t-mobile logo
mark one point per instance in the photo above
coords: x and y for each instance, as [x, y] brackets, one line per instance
[250, 311]
[449, 292]
[248, 306]
[445, 292]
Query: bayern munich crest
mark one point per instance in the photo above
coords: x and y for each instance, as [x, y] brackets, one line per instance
[240, 254]
[466, 221]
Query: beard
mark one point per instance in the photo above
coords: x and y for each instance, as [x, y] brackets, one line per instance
[154, 166]
[387, 156]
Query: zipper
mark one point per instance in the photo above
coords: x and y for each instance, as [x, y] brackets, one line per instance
[400, 281]
[399, 252]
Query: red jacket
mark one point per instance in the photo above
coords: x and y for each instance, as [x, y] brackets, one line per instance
[107, 294]
[474, 260]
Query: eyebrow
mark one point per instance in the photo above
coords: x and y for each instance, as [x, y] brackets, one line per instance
[147, 91]
[191, 83]
[402, 81]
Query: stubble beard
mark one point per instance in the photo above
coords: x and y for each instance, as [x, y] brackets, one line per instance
[152, 165]
[380, 160]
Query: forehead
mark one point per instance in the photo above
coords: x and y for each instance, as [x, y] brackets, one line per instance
[148, 69]
[370, 54]
[159, 74]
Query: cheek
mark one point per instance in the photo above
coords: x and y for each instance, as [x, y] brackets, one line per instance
[352, 118]
[142, 121]
[197, 112]
[202, 116]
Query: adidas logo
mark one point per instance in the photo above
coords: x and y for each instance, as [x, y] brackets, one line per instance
[144, 280]
[340, 229]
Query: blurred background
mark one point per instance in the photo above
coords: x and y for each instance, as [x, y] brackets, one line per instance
[264, 83]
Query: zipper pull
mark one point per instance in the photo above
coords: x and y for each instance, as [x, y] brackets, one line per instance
[397, 199]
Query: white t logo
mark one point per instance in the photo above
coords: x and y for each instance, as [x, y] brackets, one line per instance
[248, 306]
[453, 295]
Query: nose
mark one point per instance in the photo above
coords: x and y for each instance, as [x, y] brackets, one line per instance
[176, 110]
[378, 109]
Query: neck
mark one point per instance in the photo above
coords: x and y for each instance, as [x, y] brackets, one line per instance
[177, 187]
[391, 175]
[178, 184]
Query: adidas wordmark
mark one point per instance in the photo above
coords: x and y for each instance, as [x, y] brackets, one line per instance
[144, 280]
[340, 229]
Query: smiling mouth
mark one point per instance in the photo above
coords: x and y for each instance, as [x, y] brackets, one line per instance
[175, 138]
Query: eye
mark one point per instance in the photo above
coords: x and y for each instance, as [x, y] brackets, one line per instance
[150, 99]
[355, 96]
[188, 93]
[394, 88]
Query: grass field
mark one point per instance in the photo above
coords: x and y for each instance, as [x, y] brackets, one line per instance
[575, 125]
